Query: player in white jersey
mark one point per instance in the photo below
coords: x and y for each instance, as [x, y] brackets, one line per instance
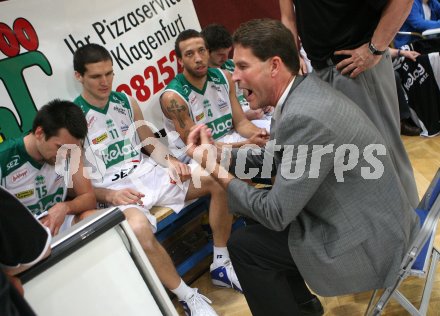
[219, 42]
[202, 95]
[210, 106]
[127, 178]
[27, 167]
[109, 143]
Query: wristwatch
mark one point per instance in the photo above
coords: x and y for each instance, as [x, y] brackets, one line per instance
[373, 49]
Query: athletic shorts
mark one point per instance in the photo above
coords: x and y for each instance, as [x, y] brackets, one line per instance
[157, 186]
[231, 137]
[67, 223]
[263, 123]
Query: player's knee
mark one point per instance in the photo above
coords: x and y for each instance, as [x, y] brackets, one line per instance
[143, 230]
[144, 233]
[139, 224]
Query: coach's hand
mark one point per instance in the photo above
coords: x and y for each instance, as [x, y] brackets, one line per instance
[201, 146]
[259, 138]
[360, 59]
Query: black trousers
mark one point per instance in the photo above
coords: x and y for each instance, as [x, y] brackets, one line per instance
[267, 273]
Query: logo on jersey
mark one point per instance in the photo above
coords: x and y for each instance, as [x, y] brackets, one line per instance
[91, 121]
[206, 104]
[40, 180]
[200, 117]
[124, 172]
[124, 127]
[186, 89]
[47, 202]
[228, 66]
[117, 101]
[20, 175]
[418, 74]
[24, 194]
[13, 163]
[58, 178]
[119, 110]
[192, 100]
[223, 105]
[110, 123]
[216, 87]
[100, 138]
[220, 126]
[118, 152]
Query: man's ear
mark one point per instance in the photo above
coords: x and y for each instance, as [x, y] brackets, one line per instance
[179, 60]
[275, 65]
[78, 76]
[39, 133]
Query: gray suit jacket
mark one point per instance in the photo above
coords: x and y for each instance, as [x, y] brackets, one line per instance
[347, 233]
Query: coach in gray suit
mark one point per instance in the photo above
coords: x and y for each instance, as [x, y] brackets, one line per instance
[337, 217]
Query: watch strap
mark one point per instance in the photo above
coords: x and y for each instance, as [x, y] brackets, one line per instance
[373, 49]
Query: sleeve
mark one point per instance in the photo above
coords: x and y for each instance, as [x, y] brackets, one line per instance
[296, 181]
[23, 240]
[416, 19]
[435, 10]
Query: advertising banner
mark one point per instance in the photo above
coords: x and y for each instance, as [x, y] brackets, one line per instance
[38, 39]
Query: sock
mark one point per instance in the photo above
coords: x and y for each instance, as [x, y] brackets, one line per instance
[182, 291]
[220, 254]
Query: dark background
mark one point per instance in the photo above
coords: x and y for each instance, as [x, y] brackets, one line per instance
[231, 13]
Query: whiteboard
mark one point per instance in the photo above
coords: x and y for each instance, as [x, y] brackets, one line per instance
[98, 279]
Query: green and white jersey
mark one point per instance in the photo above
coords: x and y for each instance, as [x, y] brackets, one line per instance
[210, 105]
[230, 66]
[36, 185]
[110, 150]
